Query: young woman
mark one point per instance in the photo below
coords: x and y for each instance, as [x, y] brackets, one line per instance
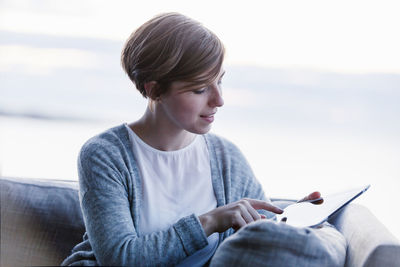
[162, 190]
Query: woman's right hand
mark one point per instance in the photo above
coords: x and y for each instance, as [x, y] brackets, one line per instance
[235, 215]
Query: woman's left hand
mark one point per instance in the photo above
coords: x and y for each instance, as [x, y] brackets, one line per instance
[314, 197]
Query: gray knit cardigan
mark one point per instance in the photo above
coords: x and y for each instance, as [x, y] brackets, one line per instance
[111, 195]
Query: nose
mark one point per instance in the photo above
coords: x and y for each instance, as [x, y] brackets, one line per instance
[216, 99]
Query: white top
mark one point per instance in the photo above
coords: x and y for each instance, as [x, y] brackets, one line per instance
[175, 184]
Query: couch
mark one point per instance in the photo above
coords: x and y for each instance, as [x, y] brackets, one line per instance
[41, 221]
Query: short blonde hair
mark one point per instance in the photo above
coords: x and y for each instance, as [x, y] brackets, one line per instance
[172, 47]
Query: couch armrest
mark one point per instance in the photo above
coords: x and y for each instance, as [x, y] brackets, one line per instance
[369, 242]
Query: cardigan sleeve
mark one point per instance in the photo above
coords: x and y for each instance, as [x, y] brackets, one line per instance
[238, 177]
[108, 219]
[245, 182]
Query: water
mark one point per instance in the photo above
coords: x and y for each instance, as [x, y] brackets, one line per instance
[289, 163]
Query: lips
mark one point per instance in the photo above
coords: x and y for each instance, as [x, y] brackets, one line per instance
[208, 118]
[205, 116]
[209, 115]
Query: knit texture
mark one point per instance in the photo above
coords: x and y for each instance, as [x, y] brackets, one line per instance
[110, 197]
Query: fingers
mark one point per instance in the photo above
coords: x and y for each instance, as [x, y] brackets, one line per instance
[264, 205]
[250, 210]
[239, 223]
[318, 201]
[314, 197]
[236, 214]
[244, 214]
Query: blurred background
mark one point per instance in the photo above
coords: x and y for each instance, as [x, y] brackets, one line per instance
[312, 88]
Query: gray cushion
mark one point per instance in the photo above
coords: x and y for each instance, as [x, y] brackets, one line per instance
[40, 221]
[370, 242]
[268, 243]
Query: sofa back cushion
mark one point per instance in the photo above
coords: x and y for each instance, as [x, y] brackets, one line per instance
[41, 221]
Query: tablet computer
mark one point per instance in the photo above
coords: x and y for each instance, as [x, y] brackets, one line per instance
[307, 214]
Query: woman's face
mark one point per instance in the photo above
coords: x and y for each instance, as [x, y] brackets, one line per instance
[192, 108]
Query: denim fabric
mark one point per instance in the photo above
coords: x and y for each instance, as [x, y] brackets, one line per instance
[110, 195]
[268, 243]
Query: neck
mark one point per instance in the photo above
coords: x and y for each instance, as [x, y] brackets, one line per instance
[160, 135]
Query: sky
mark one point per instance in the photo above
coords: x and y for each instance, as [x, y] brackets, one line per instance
[341, 36]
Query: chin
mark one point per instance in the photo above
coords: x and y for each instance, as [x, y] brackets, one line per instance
[202, 130]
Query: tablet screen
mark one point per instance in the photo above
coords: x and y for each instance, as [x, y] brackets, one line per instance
[306, 214]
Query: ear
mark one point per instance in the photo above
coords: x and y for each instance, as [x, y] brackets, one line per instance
[151, 89]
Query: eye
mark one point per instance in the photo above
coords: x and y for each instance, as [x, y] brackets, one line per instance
[200, 91]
